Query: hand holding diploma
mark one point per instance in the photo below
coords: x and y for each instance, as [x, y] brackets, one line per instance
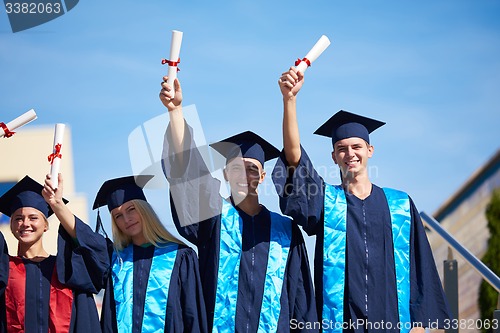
[7, 130]
[55, 157]
[291, 81]
[171, 96]
[175, 50]
[54, 197]
[313, 54]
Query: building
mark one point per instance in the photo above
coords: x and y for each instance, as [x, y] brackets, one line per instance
[25, 153]
[463, 216]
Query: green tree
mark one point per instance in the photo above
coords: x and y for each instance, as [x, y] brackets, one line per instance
[488, 296]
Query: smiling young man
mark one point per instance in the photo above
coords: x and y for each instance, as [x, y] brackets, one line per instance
[374, 269]
[254, 264]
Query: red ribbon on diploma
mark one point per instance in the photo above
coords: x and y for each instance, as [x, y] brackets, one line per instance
[171, 63]
[297, 62]
[56, 153]
[8, 133]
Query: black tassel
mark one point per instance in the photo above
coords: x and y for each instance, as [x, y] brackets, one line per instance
[99, 228]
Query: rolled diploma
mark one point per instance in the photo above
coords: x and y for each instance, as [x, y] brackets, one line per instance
[19, 121]
[56, 162]
[315, 52]
[175, 50]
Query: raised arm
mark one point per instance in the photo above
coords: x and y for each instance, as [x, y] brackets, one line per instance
[194, 192]
[174, 106]
[297, 183]
[290, 83]
[82, 255]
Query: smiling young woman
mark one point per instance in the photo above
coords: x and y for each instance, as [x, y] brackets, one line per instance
[154, 283]
[28, 225]
[43, 292]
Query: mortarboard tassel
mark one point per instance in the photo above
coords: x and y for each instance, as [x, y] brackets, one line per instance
[99, 228]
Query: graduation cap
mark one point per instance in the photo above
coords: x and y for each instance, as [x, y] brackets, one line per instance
[115, 192]
[343, 125]
[246, 144]
[26, 193]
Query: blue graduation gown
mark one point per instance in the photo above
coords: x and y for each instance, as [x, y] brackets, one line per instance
[80, 266]
[370, 281]
[185, 307]
[196, 211]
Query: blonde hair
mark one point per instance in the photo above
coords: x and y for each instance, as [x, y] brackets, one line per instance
[152, 228]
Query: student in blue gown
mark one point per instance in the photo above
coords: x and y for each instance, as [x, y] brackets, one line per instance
[256, 275]
[42, 292]
[373, 264]
[154, 284]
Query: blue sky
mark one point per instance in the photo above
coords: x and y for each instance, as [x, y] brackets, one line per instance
[430, 69]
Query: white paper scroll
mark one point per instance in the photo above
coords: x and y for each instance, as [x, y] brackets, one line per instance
[175, 50]
[16, 123]
[312, 55]
[55, 157]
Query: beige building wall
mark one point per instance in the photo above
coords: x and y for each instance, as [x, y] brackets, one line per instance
[25, 153]
[465, 220]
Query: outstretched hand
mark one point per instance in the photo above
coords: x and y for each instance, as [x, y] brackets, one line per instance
[172, 99]
[290, 82]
